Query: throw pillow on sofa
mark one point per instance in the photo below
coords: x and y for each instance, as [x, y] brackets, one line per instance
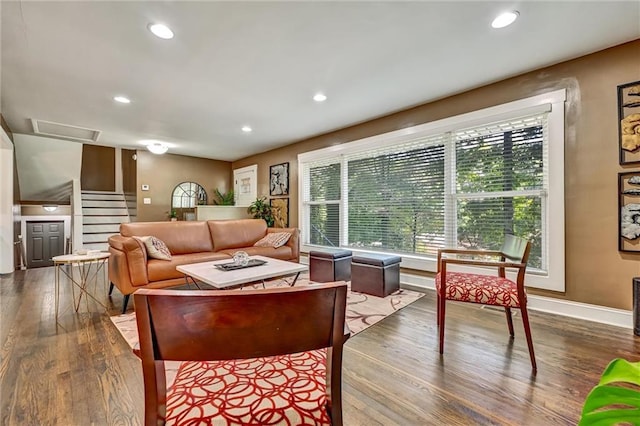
[274, 239]
[156, 248]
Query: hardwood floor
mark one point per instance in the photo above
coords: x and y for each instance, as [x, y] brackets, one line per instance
[81, 372]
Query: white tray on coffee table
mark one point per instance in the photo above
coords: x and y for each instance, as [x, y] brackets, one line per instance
[209, 274]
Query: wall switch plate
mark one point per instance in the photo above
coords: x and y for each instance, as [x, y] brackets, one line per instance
[145, 187]
[146, 200]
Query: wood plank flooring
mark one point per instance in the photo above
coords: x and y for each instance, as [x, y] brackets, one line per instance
[81, 371]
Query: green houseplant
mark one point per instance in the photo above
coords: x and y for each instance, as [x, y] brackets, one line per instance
[223, 198]
[616, 399]
[260, 209]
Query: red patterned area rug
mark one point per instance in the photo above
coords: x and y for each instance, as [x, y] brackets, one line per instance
[268, 391]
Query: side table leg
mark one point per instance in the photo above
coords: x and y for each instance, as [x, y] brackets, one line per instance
[57, 272]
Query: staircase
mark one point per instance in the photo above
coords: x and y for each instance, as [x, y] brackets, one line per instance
[102, 214]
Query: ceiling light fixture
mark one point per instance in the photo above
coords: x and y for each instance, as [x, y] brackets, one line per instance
[157, 148]
[50, 208]
[505, 19]
[122, 99]
[247, 129]
[319, 97]
[161, 30]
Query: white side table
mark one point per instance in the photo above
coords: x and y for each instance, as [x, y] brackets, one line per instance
[89, 266]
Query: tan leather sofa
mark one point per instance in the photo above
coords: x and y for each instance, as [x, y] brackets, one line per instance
[189, 242]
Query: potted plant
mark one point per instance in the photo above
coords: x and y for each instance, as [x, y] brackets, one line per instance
[616, 399]
[173, 215]
[223, 198]
[260, 209]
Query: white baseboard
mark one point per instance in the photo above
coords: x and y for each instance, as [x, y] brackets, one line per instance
[568, 308]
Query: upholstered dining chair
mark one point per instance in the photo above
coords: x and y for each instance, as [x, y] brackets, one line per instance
[263, 357]
[483, 288]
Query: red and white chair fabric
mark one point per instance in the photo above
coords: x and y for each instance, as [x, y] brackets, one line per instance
[279, 390]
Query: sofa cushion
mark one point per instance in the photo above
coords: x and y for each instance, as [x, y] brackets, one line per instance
[159, 270]
[156, 248]
[230, 234]
[273, 239]
[180, 237]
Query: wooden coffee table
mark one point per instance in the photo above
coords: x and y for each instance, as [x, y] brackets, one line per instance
[209, 274]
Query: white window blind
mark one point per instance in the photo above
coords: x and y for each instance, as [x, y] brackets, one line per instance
[501, 184]
[396, 197]
[321, 203]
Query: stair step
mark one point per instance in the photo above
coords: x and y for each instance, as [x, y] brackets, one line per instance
[113, 228]
[97, 211]
[102, 196]
[96, 238]
[101, 220]
[119, 204]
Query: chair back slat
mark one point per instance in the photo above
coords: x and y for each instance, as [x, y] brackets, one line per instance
[516, 249]
[227, 324]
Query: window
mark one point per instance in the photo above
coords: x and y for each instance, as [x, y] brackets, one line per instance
[188, 195]
[459, 182]
[501, 185]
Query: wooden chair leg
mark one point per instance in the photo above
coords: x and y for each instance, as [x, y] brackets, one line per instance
[441, 315]
[527, 332]
[507, 311]
[438, 309]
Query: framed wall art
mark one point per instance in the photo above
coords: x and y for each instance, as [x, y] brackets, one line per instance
[279, 179]
[629, 122]
[280, 210]
[629, 211]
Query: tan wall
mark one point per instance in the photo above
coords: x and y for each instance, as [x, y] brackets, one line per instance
[164, 172]
[596, 272]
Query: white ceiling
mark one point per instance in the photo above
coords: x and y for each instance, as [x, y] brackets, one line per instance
[259, 63]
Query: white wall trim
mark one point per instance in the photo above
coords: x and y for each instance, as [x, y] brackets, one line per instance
[567, 308]
[7, 264]
[76, 224]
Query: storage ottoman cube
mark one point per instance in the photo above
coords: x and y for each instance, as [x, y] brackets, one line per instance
[375, 274]
[330, 265]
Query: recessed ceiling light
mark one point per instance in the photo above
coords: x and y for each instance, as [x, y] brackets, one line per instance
[122, 99]
[319, 97]
[247, 129]
[505, 19]
[161, 30]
